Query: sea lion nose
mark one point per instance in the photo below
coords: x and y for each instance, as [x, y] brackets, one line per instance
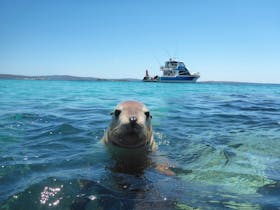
[133, 119]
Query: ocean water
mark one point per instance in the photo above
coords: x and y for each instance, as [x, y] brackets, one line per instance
[222, 140]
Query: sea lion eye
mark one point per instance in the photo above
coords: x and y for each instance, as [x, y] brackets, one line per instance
[117, 112]
[148, 114]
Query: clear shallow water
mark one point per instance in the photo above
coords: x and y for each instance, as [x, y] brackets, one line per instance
[223, 139]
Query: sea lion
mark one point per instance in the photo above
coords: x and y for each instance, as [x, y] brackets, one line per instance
[131, 127]
[130, 139]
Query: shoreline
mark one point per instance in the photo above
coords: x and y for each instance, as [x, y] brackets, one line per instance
[77, 78]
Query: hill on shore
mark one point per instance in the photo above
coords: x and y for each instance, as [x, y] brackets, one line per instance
[59, 77]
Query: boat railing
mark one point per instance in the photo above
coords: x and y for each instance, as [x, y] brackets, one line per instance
[163, 68]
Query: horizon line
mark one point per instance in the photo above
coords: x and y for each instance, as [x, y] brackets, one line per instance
[92, 78]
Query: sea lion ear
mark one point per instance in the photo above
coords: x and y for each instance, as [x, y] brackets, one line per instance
[148, 115]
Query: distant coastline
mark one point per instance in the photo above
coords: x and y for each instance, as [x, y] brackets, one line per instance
[76, 78]
[60, 77]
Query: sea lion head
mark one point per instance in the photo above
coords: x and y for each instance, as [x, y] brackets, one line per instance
[130, 126]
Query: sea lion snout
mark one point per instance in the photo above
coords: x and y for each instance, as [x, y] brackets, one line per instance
[133, 120]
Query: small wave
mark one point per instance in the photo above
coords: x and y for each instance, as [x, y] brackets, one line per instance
[230, 117]
[20, 116]
[259, 109]
[67, 129]
[54, 130]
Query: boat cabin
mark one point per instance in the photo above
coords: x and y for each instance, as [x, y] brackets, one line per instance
[174, 68]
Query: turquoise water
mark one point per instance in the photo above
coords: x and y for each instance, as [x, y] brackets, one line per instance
[223, 141]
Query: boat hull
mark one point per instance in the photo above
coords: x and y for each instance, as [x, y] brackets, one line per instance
[145, 80]
[179, 79]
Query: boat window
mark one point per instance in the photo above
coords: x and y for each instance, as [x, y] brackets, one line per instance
[171, 64]
[181, 66]
[182, 73]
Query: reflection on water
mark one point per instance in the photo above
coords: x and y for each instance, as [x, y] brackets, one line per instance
[122, 191]
[222, 141]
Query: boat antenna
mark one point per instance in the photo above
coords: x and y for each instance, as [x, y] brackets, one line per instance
[176, 53]
[157, 60]
[168, 54]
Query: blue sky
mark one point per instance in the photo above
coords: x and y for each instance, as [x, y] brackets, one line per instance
[232, 40]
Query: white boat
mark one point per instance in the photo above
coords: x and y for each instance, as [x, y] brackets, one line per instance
[173, 71]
